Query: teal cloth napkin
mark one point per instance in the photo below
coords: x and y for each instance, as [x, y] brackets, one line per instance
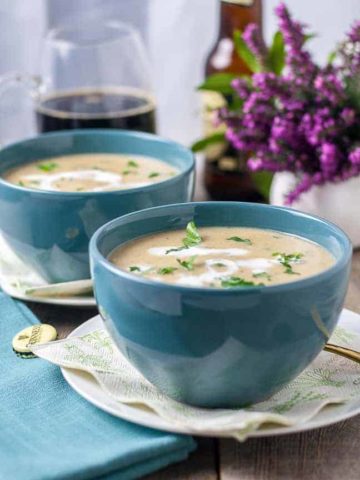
[49, 432]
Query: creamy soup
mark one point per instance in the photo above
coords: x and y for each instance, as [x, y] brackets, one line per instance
[222, 257]
[91, 172]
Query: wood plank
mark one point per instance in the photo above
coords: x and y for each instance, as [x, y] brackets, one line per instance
[201, 464]
[327, 453]
[64, 319]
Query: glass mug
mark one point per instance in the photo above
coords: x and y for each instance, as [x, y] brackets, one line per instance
[92, 76]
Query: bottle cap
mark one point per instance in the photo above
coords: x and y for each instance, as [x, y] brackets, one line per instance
[39, 333]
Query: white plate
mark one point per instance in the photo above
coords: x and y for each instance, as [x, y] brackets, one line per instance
[16, 278]
[85, 385]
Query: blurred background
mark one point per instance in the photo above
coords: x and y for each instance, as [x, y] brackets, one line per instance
[178, 34]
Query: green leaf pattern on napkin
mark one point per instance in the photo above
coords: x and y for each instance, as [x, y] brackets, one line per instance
[330, 379]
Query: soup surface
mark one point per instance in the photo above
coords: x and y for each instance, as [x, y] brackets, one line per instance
[222, 257]
[91, 172]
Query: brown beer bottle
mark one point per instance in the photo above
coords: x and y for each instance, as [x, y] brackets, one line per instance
[226, 174]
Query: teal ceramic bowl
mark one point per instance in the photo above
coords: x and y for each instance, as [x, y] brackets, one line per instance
[51, 230]
[219, 347]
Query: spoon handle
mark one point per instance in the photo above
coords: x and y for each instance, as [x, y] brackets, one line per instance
[344, 352]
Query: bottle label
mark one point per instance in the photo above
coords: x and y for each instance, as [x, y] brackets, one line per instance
[246, 3]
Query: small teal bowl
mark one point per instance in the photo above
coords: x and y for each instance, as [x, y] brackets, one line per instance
[219, 347]
[51, 230]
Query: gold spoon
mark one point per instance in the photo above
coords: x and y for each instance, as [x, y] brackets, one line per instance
[344, 352]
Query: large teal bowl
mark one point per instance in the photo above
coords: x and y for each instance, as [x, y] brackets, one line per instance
[219, 347]
[51, 230]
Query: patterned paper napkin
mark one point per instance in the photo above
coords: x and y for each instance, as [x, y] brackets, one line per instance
[330, 379]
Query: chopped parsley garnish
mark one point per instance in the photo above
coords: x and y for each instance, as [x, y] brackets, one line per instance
[166, 270]
[192, 235]
[128, 172]
[153, 174]
[192, 238]
[262, 275]
[187, 264]
[287, 259]
[47, 167]
[175, 249]
[134, 269]
[232, 282]
[132, 163]
[219, 264]
[239, 239]
[21, 183]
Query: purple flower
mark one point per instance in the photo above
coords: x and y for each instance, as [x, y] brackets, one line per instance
[329, 159]
[253, 38]
[303, 121]
[354, 156]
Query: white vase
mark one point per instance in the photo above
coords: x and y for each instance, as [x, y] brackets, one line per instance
[339, 203]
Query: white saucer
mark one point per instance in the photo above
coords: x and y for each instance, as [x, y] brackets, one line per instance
[87, 387]
[16, 278]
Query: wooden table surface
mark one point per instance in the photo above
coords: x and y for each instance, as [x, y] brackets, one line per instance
[327, 453]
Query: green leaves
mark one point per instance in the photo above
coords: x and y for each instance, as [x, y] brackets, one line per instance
[331, 57]
[200, 145]
[262, 181]
[132, 163]
[287, 259]
[187, 264]
[192, 238]
[245, 53]
[47, 167]
[166, 270]
[219, 82]
[353, 91]
[153, 174]
[262, 275]
[276, 56]
[239, 239]
[232, 282]
[134, 268]
[192, 235]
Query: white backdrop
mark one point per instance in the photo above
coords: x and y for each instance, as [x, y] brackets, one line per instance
[178, 33]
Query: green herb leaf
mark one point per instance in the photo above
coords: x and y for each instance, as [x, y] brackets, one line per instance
[187, 264]
[287, 259]
[262, 275]
[21, 183]
[239, 239]
[309, 36]
[132, 163]
[192, 238]
[232, 282]
[331, 57]
[134, 269]
[219, 82]
[128, 172]
[262, 181]
[166, 270]
[245, 53]
[276, 57]
[207, 141]
[47, 167]
[192, 235]
[352, 89]
[153, 174]
[175, 249]
[219, 264]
